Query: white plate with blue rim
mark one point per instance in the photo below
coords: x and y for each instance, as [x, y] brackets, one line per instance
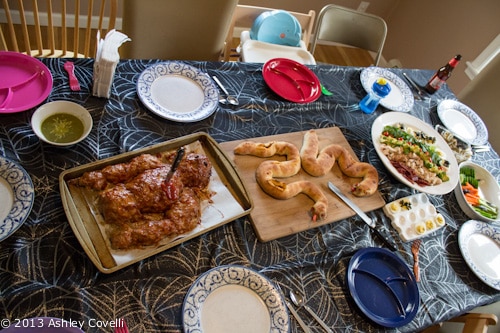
[17, 196]
[234, 299]
[462, 121]
[177, 91]
[400, 97]
[479, 243]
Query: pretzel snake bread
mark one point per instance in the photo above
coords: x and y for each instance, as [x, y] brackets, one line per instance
[318, 164]
[268, 170]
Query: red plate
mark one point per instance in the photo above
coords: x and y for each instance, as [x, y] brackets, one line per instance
[15, 69]
[291, 80]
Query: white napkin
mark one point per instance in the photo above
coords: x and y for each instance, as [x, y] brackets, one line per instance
[106, 59]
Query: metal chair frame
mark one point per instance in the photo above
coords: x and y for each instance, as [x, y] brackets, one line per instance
[345, 26]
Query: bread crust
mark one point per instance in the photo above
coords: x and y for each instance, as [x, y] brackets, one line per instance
[269, 170]
[314, 161]
[318, 162]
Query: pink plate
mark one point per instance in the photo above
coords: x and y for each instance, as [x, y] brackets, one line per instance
[291, 80]
[15, 70]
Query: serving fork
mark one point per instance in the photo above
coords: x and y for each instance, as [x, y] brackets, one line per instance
[73, 81]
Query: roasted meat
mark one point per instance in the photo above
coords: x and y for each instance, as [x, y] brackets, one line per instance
[195, 171]
[183, 216]
[125, 203]
[118, 173]
[119, 206]
[148, 190]
[137, 205]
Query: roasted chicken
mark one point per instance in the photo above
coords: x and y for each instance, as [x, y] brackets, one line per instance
[134, 201]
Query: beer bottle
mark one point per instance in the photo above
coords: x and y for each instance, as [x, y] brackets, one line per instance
[442, 75]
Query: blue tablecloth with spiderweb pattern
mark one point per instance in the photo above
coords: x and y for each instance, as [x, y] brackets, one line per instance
[45, 272]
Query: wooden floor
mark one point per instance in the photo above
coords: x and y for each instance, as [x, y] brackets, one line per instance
[331, 54]
[342, 56]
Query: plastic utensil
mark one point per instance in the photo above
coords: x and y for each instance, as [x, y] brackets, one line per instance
[73, 81]
[325, 91]
[415, 247]
[298, 300]
[121, 327]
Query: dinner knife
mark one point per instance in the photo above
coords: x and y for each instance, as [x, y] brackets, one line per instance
[364, 217]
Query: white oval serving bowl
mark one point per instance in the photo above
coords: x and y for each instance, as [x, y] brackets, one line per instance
[51, 108]
[488, 187]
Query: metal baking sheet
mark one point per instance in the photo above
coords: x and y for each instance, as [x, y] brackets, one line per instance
[230, 201]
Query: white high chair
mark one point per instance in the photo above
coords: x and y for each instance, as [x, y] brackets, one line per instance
[257, 51]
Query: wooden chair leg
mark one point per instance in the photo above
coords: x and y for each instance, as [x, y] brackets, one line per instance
[473, 323]
[476, 322]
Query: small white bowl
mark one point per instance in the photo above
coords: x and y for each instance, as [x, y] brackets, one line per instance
[61, 107]
[488, 187]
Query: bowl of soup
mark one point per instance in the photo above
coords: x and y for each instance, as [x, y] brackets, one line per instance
[61, 123]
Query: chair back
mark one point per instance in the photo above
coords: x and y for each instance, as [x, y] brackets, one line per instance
[244, 16]
[176, 30]
[56, 28]
[346, 26]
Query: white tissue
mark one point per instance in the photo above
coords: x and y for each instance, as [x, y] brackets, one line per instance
[106, 59]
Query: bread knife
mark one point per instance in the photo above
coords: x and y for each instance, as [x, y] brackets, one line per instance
[364, 217]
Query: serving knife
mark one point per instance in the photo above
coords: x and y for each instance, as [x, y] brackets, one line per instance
[175, 164]
[170, 190]
[364, 217]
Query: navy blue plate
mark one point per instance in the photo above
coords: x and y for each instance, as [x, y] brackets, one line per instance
[383, 287]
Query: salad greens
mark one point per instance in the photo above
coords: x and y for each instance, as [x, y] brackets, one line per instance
[470, 188]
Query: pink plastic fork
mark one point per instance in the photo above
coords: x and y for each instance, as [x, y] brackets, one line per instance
[73, 81]
[122, 326]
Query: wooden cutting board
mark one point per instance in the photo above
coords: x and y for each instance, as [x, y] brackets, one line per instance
[273, 218]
